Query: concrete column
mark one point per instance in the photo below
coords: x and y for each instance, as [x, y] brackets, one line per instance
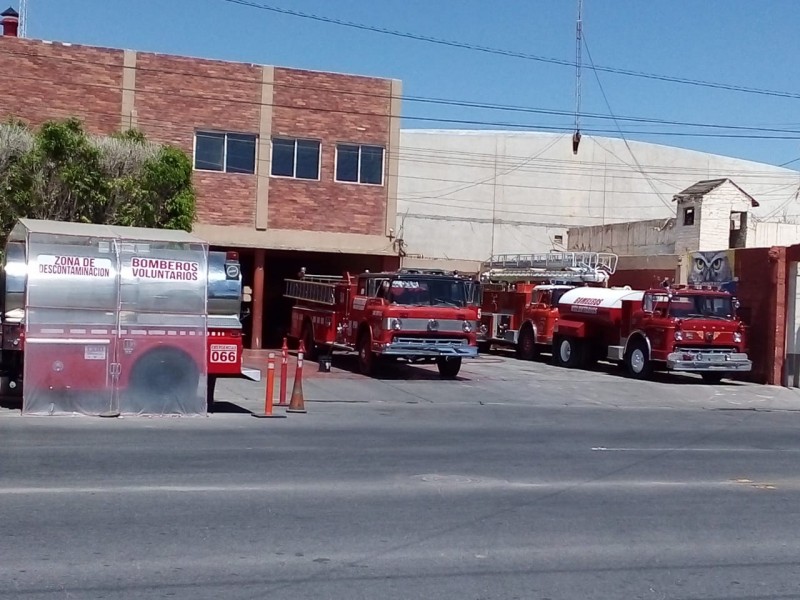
[264, 143]
[129, 117]
[258, 299]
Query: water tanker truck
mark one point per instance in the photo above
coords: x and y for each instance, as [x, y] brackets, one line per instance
[106, 320]
[673, 329]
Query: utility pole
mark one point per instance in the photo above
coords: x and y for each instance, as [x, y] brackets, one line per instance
[576, 137]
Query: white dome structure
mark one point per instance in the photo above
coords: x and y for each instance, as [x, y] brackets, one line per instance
[468, 195]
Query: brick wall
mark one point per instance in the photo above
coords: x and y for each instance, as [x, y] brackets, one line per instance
[172, 97]
[42, 81]
[762, 293]
[176, 96]
[333, 108]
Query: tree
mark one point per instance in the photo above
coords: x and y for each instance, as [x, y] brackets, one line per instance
[61, 173]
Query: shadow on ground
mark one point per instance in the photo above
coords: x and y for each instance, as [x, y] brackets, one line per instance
[391, 370]
[221, 407]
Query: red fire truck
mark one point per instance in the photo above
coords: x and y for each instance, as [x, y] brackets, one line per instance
[520, 295]
[105, 320]
[672, 329]
[420, 316]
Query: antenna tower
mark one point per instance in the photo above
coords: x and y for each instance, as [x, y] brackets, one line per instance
[23, 18]
[576, 137]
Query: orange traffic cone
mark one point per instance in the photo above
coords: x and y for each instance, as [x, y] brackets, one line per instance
[297, 403]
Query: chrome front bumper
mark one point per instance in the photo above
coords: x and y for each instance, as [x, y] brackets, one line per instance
[423, 347]
[709, 361]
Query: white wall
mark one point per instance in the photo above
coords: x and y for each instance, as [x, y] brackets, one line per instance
[468, 194]
[655, 236]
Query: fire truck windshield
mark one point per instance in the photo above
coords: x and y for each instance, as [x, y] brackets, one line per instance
[431, 291]
[687, 306]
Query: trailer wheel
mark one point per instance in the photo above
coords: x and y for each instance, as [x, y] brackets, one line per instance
[711, 377]
[366, 357]
[308, 341]
[162, 378]
[568, 352]
[448, 367]
[637, 360]
[526, 344]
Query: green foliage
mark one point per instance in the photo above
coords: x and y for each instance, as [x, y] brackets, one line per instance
[61, 173]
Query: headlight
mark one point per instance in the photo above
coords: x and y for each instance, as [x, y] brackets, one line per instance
[467, 326]
[678, 336]
[737, 337]
[397, 324]
[484, 329]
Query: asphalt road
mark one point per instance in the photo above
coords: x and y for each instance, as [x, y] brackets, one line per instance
[520, 481]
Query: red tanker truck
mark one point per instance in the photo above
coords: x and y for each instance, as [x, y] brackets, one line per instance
[673, 329]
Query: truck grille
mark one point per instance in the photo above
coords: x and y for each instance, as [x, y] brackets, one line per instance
[706, 349]
[430, 341]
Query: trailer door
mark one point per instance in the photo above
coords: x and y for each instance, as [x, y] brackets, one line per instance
[70, 325]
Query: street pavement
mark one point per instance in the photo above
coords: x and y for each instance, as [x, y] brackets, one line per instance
[520, 480]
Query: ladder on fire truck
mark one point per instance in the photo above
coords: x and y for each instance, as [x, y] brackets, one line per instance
[318, 289]
[568, 267]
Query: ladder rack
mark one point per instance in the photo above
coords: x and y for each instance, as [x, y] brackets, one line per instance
[316, 289]
[588, 267]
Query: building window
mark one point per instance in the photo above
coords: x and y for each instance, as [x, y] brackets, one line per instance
[688, 216]
[295, 158]
[225, 152]
[359, 164]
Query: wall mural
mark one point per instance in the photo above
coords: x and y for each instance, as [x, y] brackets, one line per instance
[711, 267]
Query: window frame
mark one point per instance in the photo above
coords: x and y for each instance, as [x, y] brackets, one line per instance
[225, 134]
[689, 214]
[294, 162]
[358, 167]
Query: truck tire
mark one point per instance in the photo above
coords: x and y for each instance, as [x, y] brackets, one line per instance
[526, 343]
[637, 360]
[484, 347]
[163, 379]
[366, 357]
[567, 352]
[712, 377]
[311, 353]
[448, 367]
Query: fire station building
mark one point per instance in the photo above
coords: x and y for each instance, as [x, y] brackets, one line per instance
[293, 168]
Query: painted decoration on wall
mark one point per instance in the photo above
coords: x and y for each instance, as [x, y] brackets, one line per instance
[715, 267]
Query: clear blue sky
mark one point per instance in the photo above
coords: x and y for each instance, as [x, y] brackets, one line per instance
[739, 42]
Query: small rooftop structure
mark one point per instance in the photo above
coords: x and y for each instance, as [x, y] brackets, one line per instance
[701, 188]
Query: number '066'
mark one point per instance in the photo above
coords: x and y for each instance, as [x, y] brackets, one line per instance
[223, 356]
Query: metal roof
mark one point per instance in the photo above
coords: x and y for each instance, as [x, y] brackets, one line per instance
[701, 188]
[136, 234]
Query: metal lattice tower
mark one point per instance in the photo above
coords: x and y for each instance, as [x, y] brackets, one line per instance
[23, 18]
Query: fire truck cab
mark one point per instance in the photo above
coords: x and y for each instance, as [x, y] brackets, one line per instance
[419, 316]
[105, 320]
[520, 295]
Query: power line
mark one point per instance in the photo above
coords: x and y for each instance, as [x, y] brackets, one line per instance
[794, 133]
[512, 53]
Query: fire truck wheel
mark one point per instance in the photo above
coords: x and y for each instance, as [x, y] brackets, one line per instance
[568, 352]
[366, 358]
[637, 360]
[484, 347]
[448, 367]
[308, 341]
[711, 377]
[163, 376]
[526, 344]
